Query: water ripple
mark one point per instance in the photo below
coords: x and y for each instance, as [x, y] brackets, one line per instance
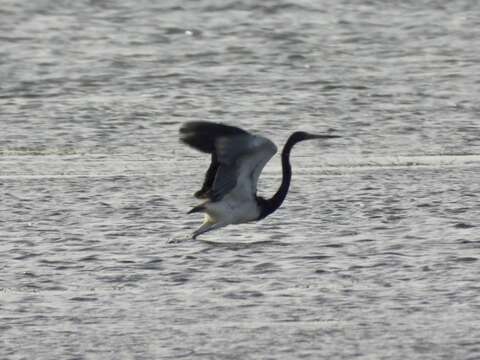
[373, 254]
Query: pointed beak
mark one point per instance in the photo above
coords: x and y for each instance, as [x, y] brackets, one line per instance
[318, 136]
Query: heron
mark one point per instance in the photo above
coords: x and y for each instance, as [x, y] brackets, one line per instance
[229, 190]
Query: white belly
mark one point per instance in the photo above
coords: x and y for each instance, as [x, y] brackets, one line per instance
[231, 211]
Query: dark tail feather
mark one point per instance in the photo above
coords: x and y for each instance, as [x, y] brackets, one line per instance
[197, 209]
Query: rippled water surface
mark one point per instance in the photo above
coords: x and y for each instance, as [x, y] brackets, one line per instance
[374, 255]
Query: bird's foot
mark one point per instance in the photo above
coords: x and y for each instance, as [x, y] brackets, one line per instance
[179, 239]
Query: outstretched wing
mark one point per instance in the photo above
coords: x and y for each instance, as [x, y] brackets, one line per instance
[238, 158]
[202, 136]
[257, 152]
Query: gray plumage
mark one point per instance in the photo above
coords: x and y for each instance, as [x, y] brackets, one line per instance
[237, 160]
[233, 151]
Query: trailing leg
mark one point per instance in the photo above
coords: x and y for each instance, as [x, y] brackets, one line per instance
[206, 227]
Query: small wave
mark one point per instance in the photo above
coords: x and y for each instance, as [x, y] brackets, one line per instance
[48, 164]
[242, 245]
[31, 151]
[463, 226]
[466, 259]
[402, 161]
[83, 298]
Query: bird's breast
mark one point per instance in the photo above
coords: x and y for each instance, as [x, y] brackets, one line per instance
[230, 211]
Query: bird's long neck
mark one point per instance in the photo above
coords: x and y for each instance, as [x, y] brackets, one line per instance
[270, 205]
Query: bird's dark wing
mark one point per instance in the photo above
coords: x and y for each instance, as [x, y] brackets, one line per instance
[242, 159]
[209, 177]
[203, 136]
[228, 150]
[236, 155]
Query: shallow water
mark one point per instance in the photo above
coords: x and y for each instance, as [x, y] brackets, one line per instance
[375, 253]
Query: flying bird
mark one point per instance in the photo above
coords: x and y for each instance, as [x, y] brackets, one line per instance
[229, 191]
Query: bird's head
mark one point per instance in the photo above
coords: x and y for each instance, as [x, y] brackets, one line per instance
[302, 135]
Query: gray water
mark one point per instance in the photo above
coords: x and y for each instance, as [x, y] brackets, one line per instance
[375, 253]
